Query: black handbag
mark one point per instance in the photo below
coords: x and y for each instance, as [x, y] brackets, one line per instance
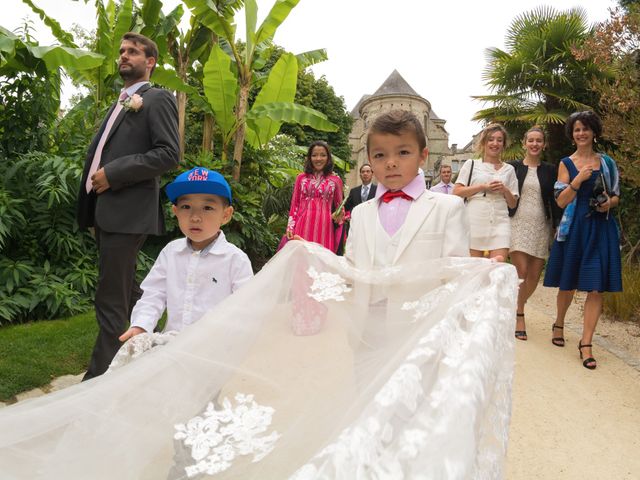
[473, 162]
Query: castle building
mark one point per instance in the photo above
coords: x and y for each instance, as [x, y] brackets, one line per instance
[396, 93]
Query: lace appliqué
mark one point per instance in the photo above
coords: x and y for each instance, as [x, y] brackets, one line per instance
[223, 434]
[327, 286]
[137, 346]
[447, 393]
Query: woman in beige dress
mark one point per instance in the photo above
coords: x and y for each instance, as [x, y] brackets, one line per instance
[489, 186]
[532, 219]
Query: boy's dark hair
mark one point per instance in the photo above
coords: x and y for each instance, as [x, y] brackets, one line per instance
[149, 46]
[588, 119]
[397, 122]
[308, 166]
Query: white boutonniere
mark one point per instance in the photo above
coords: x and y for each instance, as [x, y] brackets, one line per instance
[132, 104]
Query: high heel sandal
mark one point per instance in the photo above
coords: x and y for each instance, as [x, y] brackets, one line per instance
[521, 334]
[557, 341]
[590, 362]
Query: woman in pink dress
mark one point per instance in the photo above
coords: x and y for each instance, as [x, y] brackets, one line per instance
[316, 195]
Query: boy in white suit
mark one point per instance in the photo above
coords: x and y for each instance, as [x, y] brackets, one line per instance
[404, 223]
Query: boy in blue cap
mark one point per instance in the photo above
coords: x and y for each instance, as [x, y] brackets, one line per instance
[192, 274]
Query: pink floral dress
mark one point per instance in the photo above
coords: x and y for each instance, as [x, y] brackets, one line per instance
[314, 199]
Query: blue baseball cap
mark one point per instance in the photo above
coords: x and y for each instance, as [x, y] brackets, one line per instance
[198, 180]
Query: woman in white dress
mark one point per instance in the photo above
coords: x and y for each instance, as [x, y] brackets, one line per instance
[532, 220]
[490, 187]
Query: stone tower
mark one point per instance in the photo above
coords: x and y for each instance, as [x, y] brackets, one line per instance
[396, 93]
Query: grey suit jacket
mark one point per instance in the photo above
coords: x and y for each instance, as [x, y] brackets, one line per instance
[140, 147]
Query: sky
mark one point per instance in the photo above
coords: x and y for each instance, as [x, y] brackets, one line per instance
[437, 46]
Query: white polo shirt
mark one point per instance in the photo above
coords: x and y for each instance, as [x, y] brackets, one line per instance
[188, 283]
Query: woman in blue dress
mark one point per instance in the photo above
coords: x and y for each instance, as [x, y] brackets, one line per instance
[586, 253]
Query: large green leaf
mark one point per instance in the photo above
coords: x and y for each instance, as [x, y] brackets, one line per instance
[201, 42]
[66, 57]
[7, 45]
[104, 40]
[221, 22]
[169, 78]
[251, 21]
[221, 88]
[291, 113]
[61, 35]
[307, 59]
[150, 10]
[278, 14]
[122, 26]
[279, 87]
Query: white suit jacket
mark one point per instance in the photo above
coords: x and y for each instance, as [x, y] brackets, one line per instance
[436, 226]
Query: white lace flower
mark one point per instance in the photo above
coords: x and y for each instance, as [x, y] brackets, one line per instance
[139, 345]
[221, 435]
[403, 386]
[327, 286]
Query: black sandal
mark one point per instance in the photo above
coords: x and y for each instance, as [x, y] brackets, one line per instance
[590, 362]
[521, 334]
[557, 341]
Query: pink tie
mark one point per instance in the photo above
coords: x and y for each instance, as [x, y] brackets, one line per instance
[98, 155]
[446, 189]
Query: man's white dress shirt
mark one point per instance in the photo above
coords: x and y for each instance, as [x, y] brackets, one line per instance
[188, 283]
[443, 188]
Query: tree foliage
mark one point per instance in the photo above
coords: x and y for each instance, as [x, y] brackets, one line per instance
[538, 80]
[230, 73]
[318, 94]
[47, 265]
[615, 46]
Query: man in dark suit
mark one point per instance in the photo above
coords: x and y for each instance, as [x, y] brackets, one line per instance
[357, 195]
[364, 192]
[120, 189]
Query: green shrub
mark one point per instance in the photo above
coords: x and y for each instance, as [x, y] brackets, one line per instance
[625, 305]
[47, 266]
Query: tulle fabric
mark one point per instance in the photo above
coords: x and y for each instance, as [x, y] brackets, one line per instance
[402, 372]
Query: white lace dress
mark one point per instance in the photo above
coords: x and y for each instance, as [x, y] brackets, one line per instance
[254, 390]
[530, 229]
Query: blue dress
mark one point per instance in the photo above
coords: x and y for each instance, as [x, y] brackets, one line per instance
[589, 258]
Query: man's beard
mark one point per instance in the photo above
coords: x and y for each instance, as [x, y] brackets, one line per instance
[132, 72]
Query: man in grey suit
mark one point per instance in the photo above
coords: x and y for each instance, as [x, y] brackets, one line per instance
[120, 189]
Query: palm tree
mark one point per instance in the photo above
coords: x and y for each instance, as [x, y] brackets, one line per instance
[538, 80]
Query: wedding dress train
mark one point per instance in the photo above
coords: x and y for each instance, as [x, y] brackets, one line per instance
[313, 370]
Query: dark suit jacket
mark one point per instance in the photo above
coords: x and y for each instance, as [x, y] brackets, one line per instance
[140, 147]
[355, 197]
[547, 176]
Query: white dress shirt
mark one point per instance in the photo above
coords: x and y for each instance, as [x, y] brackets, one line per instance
[364, 191]
[188, 283]
[443, 188]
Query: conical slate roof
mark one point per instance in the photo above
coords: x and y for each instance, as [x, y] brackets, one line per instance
[395, 85]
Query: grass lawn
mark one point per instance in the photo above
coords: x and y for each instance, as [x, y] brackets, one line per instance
[33, 354]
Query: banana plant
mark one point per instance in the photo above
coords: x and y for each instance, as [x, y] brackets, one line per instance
[229, 76]
[113, 21]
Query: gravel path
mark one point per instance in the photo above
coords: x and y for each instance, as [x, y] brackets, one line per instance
[569, 422]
